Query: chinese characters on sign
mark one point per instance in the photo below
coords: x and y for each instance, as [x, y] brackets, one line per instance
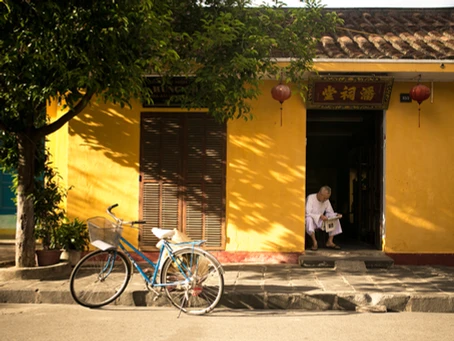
[349, 92]
[166, 95]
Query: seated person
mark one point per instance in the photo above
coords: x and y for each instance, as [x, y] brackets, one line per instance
[319, 209]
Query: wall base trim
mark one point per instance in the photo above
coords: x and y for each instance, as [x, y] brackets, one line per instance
[422, 258]
[226, 257]
[229, 257]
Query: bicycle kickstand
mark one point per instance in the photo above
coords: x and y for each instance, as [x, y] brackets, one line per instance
[185, 298]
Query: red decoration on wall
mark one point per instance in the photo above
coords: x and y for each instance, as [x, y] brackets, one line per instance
[281, 93]
[419, 93]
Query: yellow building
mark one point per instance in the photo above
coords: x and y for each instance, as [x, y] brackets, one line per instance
[243, 185]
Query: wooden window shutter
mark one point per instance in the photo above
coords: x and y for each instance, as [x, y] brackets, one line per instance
[160, 174]
[183, 177]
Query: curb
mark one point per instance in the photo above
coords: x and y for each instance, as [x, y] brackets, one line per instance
[389, 302]
[57, 271]
[321, 301]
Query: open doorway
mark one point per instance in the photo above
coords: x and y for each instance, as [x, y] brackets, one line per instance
[345, 151]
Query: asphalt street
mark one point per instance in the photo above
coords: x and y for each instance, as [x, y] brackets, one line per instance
[47, 322]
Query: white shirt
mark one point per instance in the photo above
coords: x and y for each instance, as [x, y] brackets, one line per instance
[315, 208]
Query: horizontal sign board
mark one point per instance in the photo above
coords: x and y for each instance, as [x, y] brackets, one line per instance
[349, 92]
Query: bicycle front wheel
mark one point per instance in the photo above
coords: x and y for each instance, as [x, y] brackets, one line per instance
[194, 281]
[99, 278]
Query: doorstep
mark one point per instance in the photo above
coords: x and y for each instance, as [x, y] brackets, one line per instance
[326, 258]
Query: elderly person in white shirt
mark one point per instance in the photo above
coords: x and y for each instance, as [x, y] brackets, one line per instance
[318, 210]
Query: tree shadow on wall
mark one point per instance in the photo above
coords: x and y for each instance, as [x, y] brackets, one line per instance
[266, 178]
[110, 131]
[116, 134]
[267, 187]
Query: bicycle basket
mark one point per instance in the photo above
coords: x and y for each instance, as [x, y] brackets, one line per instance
[104, 234]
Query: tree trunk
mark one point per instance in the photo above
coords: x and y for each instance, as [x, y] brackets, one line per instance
[25, 225]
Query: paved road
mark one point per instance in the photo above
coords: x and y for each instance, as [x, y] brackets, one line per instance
[22, 322]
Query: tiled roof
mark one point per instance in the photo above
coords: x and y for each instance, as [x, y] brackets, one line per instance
[384, 33]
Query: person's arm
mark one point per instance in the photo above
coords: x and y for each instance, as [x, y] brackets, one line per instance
[310, 210]
[329, 212]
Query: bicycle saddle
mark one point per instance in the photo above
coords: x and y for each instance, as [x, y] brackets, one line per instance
[162, 234]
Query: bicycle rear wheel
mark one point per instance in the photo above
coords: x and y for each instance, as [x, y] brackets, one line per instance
[203, 290]
[99, 278]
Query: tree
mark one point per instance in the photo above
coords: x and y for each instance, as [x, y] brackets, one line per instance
[75, 51]
[230, 48]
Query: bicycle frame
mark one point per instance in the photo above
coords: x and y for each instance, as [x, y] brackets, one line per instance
[165, 246]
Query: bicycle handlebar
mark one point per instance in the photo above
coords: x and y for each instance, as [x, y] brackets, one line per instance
[111, 207]
[109, 211]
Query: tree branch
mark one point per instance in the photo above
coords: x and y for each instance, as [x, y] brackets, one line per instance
[50, 128]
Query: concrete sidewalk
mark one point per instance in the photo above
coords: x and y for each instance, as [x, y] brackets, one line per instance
[259, 286]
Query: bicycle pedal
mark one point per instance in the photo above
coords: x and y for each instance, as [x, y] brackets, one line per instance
[157, 294]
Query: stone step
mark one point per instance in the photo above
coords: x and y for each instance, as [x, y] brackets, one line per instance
[344, 260]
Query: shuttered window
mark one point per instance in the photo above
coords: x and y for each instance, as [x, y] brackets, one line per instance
[182, 166]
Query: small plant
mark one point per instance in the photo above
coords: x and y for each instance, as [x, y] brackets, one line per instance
[73, 235]
[48, 212]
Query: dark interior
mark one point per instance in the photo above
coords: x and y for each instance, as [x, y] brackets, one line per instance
[344, 151]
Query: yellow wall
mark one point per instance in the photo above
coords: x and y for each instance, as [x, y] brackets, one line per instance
[103, 165]
[266, 177]
[58, 146]
[98, 154]
[420, 173]
[265, 170]
[386, 66]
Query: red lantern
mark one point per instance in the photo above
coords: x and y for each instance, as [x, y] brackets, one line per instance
[281, 93]
[419, 93]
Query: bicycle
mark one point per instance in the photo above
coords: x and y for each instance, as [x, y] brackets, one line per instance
[192, 278]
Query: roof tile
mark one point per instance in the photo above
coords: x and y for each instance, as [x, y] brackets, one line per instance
[383, 33]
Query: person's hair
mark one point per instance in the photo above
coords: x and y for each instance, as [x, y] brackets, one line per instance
[326, 188]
